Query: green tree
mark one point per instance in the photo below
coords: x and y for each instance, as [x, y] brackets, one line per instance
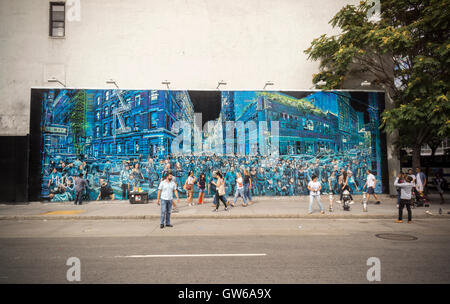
[406, 52]
[78, 121]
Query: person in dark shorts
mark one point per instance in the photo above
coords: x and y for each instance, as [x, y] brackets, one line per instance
[106, 192]
[371, 184]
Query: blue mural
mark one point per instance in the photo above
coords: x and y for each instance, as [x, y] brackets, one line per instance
[126, 138]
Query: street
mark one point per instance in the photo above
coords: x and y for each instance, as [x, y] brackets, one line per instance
[225, 251]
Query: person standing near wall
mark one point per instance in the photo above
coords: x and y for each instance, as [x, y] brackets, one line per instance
[164, 198]
[421, 180]
[125, 181]
[314, 187]
[189, 187]
[247, 186]
[201, 184]
[405, 198]
[80, 188]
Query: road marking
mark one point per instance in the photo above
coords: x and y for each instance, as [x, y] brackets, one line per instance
[193, 255]
[63, 212]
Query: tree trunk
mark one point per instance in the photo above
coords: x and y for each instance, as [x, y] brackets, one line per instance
[416, 157]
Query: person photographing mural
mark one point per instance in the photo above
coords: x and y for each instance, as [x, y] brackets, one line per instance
[166, 189]
[314, 187]
[106, 192]
[405, 197]
[80, 188]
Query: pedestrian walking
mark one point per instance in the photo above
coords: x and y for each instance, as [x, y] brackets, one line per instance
[220, 191]
[314, 187]
[239, 190]
[80, 188]
[166, 189]
[189, 187]
[247, 186]
[405, 197]
[371, 183]
[438, 181]
[201, 184]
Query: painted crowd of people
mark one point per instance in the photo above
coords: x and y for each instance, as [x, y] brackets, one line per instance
[262, 176]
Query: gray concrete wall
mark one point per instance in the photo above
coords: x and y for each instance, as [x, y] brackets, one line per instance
[192, 43]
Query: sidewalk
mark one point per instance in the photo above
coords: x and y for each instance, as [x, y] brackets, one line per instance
[263, 207]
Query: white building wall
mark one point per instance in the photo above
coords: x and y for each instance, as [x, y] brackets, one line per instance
[139, 43]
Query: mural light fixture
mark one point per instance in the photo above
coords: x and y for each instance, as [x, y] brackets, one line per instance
[166, 82]
[365, 83]
[53, 79]
[220, 83]
[268, 83]
[321, 83]
[112, 81]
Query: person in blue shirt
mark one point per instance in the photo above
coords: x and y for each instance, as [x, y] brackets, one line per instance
[230, 178]
[125, 181]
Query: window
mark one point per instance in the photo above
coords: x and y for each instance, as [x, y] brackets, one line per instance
[137, 99]
[57, 19]
[106, 111]
[107, 95]
[99, 99]
[153, 120]
[98, 115]
[154, 96]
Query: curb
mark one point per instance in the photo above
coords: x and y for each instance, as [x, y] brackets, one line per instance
[234, 216]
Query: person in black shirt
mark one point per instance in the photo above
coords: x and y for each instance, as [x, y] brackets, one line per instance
[106, 192]
[201, 188]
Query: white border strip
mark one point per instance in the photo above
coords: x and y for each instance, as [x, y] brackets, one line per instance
[193, 255]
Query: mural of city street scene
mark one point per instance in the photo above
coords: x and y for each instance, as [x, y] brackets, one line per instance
[281, 139]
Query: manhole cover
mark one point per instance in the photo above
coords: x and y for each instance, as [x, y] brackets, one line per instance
[396, 237]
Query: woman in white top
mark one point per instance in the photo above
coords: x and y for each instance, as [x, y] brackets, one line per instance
[239, 190]
[189, 187]
[314, 187]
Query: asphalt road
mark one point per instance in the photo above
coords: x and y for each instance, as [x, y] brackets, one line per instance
[224, 251]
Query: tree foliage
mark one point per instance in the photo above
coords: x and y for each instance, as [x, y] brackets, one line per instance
[406, 52]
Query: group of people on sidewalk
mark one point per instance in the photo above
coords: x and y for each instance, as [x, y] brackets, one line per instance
[168, 187]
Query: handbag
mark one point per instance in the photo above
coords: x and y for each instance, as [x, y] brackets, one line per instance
[221, 189]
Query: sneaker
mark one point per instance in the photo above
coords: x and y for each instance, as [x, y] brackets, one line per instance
[169, 225]
[214, 210]
[226, 208]
[351, 202]
[339, 202]
[322, 212]
[175, 210]
[399, 221]
[409, 222]
[377, 203]
[161, 226]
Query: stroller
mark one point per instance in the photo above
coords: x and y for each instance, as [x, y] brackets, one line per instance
[420, 200]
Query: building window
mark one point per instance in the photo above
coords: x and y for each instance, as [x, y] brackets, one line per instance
[98, 115]
[137, 99]
[153, 120]
[153, 96]
[107, 95]
[99, 99]
[57, 19]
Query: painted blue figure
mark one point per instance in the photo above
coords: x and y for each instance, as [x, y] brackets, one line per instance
[125, 182]
[107, 170]
[230, 178]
